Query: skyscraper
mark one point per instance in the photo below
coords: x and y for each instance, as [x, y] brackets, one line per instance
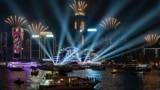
[79, 22]
[17, 34]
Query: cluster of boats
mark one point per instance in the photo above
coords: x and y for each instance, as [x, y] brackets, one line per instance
[47, 76]
[53, 77]
[52, 80]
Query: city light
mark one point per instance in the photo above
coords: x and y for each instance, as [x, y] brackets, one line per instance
[17, 34]
[92, 30]
[110, 23]
[15, 21]
[35, 36]
[78, 7]
[49, 36]
[36, 28]
[152, 38]
[110, 36]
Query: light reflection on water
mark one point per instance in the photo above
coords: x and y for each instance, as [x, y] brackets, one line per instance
[86, 73]
[150, 81]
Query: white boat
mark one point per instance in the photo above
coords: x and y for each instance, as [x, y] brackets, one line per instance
[67, 83]
[35, 78]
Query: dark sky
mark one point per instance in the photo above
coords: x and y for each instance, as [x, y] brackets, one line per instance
[54, 13]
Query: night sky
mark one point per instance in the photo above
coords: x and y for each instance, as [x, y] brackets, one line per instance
[55, 13]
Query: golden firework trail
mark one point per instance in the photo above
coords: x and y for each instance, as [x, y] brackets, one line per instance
[78, 6]
[152, 38]
[36, 28]
[109, 23]
[15, 21]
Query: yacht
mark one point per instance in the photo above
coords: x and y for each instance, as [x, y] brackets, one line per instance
[67, 83]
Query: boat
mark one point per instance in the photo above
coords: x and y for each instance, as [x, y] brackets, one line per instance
[18, 81]
[67, 83]
[143, 67]
[52, 80]
[35, 78]
[115, 71]
[16, 69]
[60, 68]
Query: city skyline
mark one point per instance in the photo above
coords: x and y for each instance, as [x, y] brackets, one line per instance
[134, 19]
[128, 12]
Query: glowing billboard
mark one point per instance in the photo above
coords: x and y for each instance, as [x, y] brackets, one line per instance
[17, 34]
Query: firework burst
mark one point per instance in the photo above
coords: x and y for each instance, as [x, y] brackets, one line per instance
[36, 28]
[152, 38]
[78, 7]
[15, 21]
[110, 23]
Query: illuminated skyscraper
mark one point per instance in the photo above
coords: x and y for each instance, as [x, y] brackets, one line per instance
[79, 24]
[47, 40]
[17, 34]
[42, 42]
[109, 24]
[35, 30]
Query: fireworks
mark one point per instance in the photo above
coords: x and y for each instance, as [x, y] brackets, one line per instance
[152, 38]
[78, 7]
[15, 21]
[110, 23]
[36, 28]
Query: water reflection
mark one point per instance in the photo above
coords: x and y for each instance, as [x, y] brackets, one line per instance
[122, 81]
[14, 75]
[86, 73]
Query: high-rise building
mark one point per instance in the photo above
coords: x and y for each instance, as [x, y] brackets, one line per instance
[47, 42]
[35, 47]
[17, 34]
[79, 22]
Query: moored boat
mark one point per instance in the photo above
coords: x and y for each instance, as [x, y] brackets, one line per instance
[143, 67]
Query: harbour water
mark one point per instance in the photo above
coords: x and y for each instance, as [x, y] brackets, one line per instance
[122, 81]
